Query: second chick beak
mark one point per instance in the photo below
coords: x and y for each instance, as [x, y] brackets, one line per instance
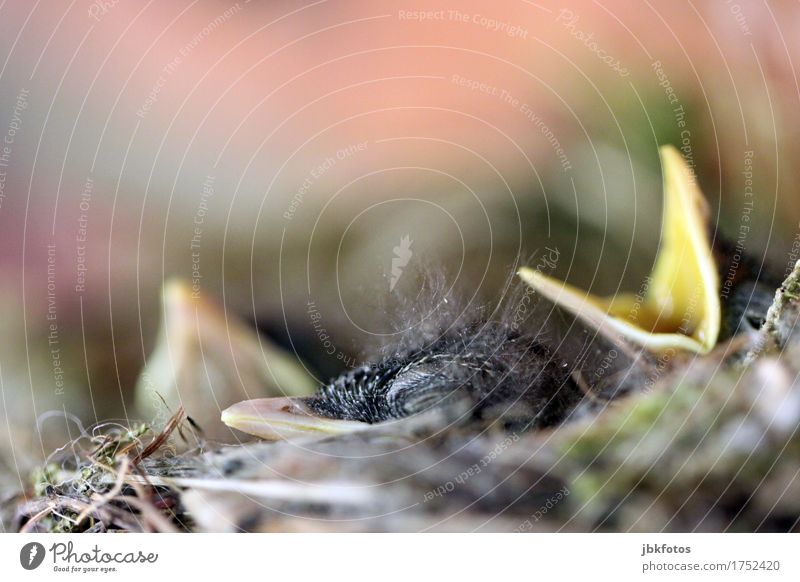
[284, 419]
[681, 308]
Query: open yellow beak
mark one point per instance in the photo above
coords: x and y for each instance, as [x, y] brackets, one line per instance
[680, 308]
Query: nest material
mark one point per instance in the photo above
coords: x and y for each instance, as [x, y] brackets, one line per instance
[711, 446]
[98, 483]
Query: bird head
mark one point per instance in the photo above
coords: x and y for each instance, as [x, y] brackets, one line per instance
[489, 372]
[392, 389]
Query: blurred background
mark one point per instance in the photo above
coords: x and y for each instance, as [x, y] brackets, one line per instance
[291, 159]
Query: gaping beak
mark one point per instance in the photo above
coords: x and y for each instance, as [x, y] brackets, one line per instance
[284, 419]
[681, 307]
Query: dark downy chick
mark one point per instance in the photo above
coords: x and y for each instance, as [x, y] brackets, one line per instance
[512, 366]
[490, 369]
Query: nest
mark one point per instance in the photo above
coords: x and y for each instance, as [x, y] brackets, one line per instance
[711, 446]
[99, 483]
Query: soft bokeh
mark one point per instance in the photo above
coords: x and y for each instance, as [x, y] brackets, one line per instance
[278, 153]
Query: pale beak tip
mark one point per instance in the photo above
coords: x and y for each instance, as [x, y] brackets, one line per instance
[283, 419]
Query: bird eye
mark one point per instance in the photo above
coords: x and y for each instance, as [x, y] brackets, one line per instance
[421, 400]
[419, 389]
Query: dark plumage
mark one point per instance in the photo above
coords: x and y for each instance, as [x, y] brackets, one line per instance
[494, 370]
[520, 365]
[523, 373]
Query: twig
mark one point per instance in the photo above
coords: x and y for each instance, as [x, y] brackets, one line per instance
[333, 492]
[157, 442]
[32, 521]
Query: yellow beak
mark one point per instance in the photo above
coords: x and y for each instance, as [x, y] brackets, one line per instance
[680, 308]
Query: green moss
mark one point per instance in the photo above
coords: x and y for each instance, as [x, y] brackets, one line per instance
[44, 478]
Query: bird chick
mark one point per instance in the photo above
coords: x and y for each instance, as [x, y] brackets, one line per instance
[516, 369]
[491, 369]
[528, 374]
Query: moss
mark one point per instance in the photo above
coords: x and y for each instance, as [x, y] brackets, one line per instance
[698, 437]
[44, 478]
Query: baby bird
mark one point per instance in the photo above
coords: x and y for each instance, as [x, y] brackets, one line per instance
[525, 372]
[499, 371]
[518, 372]
[491, 369]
